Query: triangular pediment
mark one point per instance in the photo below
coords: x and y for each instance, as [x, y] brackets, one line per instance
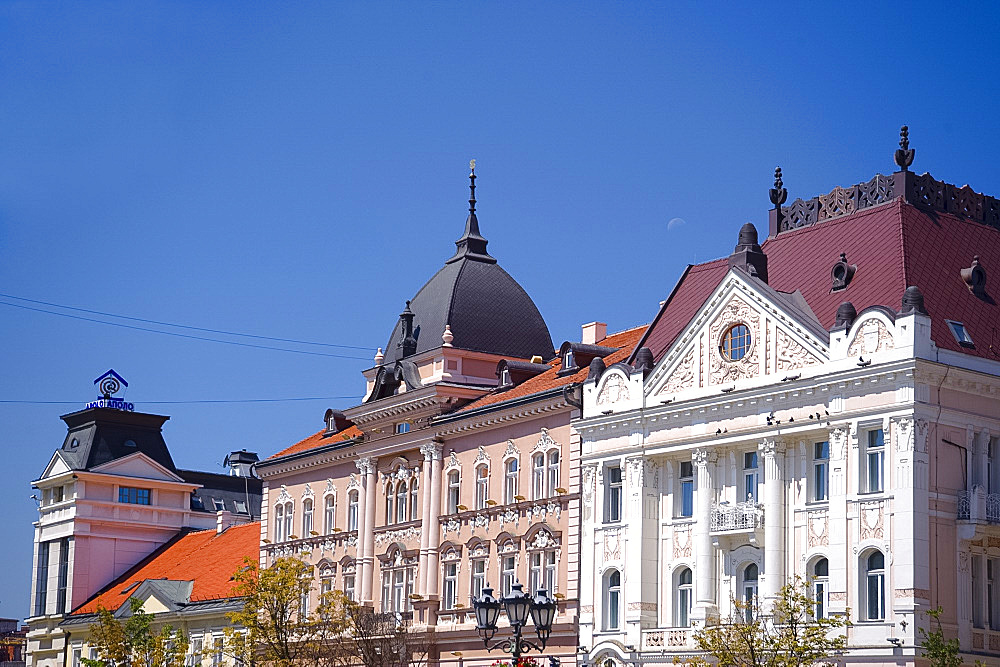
[56, 466]
[137, 465]
[772, 334]
[157, 596]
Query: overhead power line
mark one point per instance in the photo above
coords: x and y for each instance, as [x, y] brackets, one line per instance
[182, 335]
[184, 326]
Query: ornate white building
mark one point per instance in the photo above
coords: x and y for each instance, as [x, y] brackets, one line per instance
[826, 405]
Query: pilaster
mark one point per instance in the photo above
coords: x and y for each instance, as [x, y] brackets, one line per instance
[367, 466]
[706, 606]
[773, 453]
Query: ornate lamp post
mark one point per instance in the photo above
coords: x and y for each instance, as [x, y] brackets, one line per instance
[518, 606]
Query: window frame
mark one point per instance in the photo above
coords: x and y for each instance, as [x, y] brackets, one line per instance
[612, 600]
[615, 494]
[874, 582]
[685, 480]
[538, 472]
[307, 517]
[353, 498]
[329, 513]
[454, 481]
[511, 475]
[820, 480]
[751, 477]
[683, 596]
[821, 587]
[482, 486]
[873, 454]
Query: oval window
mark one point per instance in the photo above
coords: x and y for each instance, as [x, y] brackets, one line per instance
[736, 342]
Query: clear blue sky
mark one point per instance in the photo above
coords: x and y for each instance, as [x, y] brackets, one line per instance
[299, 171]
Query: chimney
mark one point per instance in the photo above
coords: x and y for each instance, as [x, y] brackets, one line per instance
[223, 521]
[594, 332]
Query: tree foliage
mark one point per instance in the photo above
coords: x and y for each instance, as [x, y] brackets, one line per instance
[790, 636]
[939, 651]
[133, 643]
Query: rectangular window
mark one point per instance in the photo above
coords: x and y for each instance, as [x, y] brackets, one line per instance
[450, 585]
[991, 464]
[241, 506]
[42, 578]
[63, 576]
[454, 491]
[550, 572]
[482, 486]
[349, 586]
[687, 489]
[821, 471]
[751, 480]
[538, 476]
[77, 656]
[510, 482]
[329, 515]
[133, 496]
[326, 585]
[478, 577]
[57, 494]
[991, 616]
[614, 495]
[535, 573]
[220, 505]
[506, 574]
[874, 461]
[977, 594]
[217, 652]
[194, 658]
[819, 595]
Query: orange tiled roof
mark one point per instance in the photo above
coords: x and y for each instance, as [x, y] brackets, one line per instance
[207, 558]
[624, 340]
[319, 439]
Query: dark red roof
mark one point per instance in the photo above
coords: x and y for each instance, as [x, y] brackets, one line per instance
[319, 439]
[206, 557]
[894, 245]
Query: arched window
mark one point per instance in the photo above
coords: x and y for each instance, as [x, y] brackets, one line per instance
[553, 471]
[482, 486]
[401, 494]
[612, 600]
[289, 515]
[307, 517]
[748, 593]
[352, 510]
[820, 573]
[330, 515]
[874, 596]
[682, 613]
[454, 491]
[538, 476]
[510, 481]
[279, 523]
[390, 496]
[413, 500]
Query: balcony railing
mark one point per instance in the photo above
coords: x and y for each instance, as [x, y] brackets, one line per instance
[667, 638]
[737, 516]
[977, 505]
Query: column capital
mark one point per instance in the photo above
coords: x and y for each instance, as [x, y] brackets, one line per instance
[367, 465]
[431, 451]
[703, 456]
[771, 447]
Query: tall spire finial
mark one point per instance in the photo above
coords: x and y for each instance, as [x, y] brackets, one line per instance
[472, 186]
[904, 154]
[778, 194]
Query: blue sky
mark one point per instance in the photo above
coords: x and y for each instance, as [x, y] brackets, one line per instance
[299, 170]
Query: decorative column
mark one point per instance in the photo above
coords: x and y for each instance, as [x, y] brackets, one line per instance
[706, 608]
[425, 517]
[367, 466]
[840, 573]
[773, 452]
[433, 528]
[588, 574]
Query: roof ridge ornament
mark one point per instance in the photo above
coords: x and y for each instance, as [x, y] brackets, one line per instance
[904, 154]
[472, 245]
[472, 185]
[778, 194]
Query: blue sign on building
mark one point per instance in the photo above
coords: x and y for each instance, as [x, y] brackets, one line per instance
[110, 384]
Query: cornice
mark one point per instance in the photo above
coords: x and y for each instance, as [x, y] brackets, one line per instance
[489, 416]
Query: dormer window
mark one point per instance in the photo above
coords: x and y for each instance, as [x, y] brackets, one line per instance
[505, 377]
[331, 424]
[403, 427]
[568, 360]
[960, 334]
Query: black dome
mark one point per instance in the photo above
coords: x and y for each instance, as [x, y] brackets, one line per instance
[486, 308]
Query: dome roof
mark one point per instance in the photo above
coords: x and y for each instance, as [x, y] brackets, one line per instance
[487, 310]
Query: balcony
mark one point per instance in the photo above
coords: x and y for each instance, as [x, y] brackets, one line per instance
[736, 517]
[977, 505]
[667, 638]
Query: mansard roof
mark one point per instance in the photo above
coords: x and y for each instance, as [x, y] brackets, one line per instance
[205, 558]
[98, 435]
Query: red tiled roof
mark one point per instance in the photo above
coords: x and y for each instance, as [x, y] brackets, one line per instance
[894, 246]
[319, 439]
[624, 340]
[207, 558]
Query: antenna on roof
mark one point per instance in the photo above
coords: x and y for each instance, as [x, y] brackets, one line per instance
[472, 186]
[904, 154]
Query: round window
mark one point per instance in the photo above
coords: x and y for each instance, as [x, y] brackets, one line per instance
[736, 342]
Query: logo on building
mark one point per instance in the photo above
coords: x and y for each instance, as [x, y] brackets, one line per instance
[110, 384]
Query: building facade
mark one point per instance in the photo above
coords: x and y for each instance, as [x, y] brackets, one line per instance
[826, 405]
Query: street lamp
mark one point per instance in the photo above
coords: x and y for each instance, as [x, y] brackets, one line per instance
[518, 606]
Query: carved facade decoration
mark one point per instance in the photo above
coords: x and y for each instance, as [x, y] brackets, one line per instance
[682, 376]
[790, 354]
[634, 472]
[482, 456]
[352, 482]
[612, 545]
[872, 520]
[284, 496]
[872, 337]
[402, 534]
[819, 533]
[512, 451]
[307, 493]
[904, 434]
[722, 371]
[542, 540]
[453, 463]
[615, 389]
[545, 442]
[682, 542]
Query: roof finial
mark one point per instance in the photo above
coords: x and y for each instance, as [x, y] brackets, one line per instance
[904, 154]
[472, 186]
[778, 193]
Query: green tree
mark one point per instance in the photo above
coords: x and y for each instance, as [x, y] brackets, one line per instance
[791, 636]
[274, 628]
[939, 651]
[133, 643]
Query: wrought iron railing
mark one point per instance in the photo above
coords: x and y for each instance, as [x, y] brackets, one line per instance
[977, 505]
[737, 516]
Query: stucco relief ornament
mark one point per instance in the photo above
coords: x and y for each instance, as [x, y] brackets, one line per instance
[682, 542]
[482, 456]
[452, 526]
[453, 463]
[589, 472]
[284, 496]
[818, 534]
[838, 443]
[872, 337]
[615, 389]
[542, 540]
[366, 465]
[920, 439]
[682, 377]
[352, 482]
[481, 521]
[703, 456]
[791, 354]
[871, 521]
[545, 442]
[431, 451]
[308, 492]
[612, 545]
[509, 516]
[634, 472]
[511, 450]
[904, 434]
[330, 488]
[722, 370]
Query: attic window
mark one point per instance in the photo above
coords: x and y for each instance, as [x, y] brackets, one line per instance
[130, 443]
[736, 343]
[220, 505]
[505, 377]
[241, 507]
[331, 424]
[568, 359]
[196, 503]
[74, 443]
[960, 334]
[403, 427]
